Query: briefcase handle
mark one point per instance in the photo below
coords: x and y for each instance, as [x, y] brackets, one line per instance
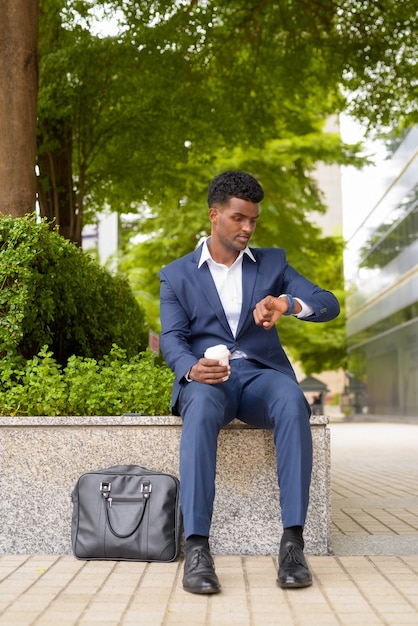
[105, 489]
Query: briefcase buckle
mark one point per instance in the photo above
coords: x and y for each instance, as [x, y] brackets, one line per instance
[105, 489]
[146, 489]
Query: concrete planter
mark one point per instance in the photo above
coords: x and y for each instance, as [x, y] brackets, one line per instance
[42, 457]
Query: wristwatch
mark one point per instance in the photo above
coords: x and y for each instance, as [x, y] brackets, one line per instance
[291, 303]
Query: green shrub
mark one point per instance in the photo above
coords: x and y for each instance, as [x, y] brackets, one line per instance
[113, 385]
[52, 293]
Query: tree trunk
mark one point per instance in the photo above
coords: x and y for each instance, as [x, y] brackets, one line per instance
[18, 99]
[55, 181]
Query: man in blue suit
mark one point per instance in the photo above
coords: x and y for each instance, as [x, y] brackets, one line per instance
[227, 293]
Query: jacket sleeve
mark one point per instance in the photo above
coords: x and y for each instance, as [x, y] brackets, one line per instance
[175, 330]
[323, 302]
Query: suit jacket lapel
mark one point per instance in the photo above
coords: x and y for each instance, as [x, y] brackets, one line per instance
[249, 274]
[210, 293]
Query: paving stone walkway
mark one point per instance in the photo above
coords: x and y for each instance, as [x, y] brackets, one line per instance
[374, 488]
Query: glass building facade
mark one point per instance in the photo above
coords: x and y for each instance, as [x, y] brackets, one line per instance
[381, 267]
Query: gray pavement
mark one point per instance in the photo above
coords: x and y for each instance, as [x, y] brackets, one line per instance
[372, 578]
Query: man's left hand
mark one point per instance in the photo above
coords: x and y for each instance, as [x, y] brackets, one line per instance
[269, 310]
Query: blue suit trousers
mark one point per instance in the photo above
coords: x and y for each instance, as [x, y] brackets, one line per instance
[259, 396]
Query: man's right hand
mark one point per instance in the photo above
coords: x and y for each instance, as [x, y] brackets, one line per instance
[209, 371]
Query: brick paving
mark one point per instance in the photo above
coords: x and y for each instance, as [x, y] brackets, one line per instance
[371, 579]
[374, 470]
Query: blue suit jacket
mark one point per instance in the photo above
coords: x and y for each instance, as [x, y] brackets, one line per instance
[192, 316]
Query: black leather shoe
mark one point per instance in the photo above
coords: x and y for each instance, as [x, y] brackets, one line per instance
[293, 568]
[199, 572]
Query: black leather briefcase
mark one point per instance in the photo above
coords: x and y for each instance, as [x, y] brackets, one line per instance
[126, 513]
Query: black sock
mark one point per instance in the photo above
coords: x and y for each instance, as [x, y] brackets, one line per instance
[197, 540]
[294, 534]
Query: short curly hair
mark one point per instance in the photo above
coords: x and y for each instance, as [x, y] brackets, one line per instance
[234, 184]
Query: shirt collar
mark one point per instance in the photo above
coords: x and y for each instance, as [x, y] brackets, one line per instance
[205, 254]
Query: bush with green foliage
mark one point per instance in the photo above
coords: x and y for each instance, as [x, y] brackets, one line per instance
[52, 293]
[113, 385]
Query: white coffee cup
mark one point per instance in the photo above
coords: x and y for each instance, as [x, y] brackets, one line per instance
[219, 353]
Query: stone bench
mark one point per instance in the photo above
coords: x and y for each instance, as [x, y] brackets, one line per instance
[41, 459]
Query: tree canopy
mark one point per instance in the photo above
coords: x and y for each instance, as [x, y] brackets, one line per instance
[119, 115]
[139, 120]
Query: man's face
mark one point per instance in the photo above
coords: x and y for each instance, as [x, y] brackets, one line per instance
[234, 223]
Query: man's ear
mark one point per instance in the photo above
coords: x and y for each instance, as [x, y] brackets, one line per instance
[213, 214]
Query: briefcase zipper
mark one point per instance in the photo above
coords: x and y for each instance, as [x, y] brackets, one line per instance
[121, 500]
